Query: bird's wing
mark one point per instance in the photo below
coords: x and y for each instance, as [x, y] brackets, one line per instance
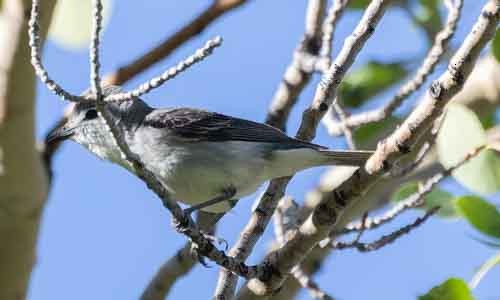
[200, 125]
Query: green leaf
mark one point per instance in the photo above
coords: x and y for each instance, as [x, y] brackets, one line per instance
[437, 197]
[481, 214]
[370, 79]
[495, 45]
[443, 199]
[451, 289]
[488, 120]
[368, 135]
[358, 4]
[405, 191]
[461, 132]
[72, 23]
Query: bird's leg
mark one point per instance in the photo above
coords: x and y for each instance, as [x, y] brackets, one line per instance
[226, 195]
[207, 226]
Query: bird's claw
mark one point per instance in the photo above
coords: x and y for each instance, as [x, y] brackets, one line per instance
[196, 255]
[213, 239]
[216, 240]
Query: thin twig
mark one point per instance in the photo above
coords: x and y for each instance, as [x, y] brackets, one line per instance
[36, 61]
[432, 58]
[306, 282]
[95, 64]
[172, 72]
[299, 71]
[386, 239]
[327, 89]
[178, 265]
[422, 152]
[414, 200]
[484, 269]
[212, 13]
[285, 220]
[346, 131]
[332, 17]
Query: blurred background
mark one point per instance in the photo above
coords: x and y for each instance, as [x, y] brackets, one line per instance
[104, 234]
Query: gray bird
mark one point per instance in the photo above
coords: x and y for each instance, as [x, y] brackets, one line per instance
[204, 159]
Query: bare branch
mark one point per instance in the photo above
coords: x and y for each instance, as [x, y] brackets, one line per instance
[336, 203]
[327, 89]
[217, 9]
[440, 92]
[422, 152]
[306, 282]
[432, 58]
[414, 200]
[484, 269]
[296, 75]
[331, 19]
[285, 220]
[346, 131]
[95, 64]
[295, 79]
[36, 61]
[386, 239]
[480, 93]
[156, 82]
[178, 265]
[311, 116]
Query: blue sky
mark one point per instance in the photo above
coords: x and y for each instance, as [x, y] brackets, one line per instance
[104, 234]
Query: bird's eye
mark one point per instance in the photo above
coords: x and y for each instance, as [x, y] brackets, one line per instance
[90, 114]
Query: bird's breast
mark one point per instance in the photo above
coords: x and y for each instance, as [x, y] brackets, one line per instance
[199, 171]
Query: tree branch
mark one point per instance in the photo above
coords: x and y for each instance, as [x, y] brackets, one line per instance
[285, 219]
[432, 58]
[20, 163]
[172, 72]
[481, 93]
[171, 43]
[413, 201]
[385, 239]
[294, 80]
[178, 265]
[336, 203]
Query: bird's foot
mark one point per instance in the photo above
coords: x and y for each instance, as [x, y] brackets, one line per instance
[214, 240]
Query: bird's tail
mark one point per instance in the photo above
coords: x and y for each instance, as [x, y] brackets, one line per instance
[346, 157]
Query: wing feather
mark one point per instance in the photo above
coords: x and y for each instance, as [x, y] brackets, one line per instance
[201, 125]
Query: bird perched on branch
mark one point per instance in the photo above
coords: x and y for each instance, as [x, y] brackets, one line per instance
[205, 159]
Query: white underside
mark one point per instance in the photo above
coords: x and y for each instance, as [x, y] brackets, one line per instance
[199, 171]
[197, 174]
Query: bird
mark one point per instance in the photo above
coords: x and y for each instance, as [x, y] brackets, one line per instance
[204, 159]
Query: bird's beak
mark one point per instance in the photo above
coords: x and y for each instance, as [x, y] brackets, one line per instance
[60, 133]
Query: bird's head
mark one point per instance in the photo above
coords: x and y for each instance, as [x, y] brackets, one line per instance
[84, 125]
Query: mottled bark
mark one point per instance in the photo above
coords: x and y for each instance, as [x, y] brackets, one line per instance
[23, 179]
